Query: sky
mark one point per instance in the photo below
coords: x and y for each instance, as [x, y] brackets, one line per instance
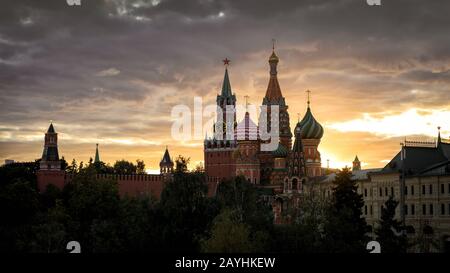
[111, 71]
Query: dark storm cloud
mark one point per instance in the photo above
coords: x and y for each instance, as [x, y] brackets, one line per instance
[162, 52]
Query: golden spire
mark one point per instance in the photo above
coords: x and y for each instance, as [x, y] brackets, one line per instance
[273, 57]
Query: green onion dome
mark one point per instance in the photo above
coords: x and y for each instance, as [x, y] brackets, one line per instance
[310, 127]
[281, 151]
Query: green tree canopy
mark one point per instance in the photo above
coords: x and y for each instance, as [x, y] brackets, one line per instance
[345, 229]
[389, 232]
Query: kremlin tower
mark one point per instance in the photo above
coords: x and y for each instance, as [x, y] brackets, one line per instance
[219, 150]
[50, 171]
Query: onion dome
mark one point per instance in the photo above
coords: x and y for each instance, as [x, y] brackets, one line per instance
[273, 58]
[309, 127]
[246, 129]
[281, 151]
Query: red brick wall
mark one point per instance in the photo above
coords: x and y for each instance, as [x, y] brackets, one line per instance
[220, 164]
[129, 185]
[46, 177]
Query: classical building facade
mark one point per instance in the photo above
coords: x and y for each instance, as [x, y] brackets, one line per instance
[418, 176]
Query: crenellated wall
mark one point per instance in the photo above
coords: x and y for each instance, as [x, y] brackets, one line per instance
[129, 185]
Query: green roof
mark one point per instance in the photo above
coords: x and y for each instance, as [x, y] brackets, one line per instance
[226, 86]
[281, 151]
[310, 127]
[97, 156]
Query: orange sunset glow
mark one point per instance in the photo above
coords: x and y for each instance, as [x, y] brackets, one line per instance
[113, 75]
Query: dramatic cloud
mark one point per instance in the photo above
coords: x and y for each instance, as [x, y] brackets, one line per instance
[110, 71]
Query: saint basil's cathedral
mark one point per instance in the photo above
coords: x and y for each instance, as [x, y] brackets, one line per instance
[285, 168]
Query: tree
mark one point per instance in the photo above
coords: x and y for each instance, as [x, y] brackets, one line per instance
[50, 233]
[346, 228]
[73, 167]
[240, 195]
[229, 235]
[19, 205]
[91, 201]
[199, 168]
[306, 231]
[181, 164]
[140, 167]
[389, 232]
[124, 167]
[185, 212]
[11, 173]
[64, 163]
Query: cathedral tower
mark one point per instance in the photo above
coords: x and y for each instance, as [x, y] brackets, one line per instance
[311, 132]
[247, 161]
[297, 166]
[274, 97]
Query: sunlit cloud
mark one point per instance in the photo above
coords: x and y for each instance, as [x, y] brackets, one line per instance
[108, 72]
[411, 122]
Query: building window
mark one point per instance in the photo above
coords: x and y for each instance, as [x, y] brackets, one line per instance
[413, 209]
[412, 190]
[406, 190]
[431, 209]
[442, 189]
[423, 189]
[448, 211]
[448, 188]
[386, 191]
[365, 193]
[430, 189]
[405, 207]
[442, 208]
[381, 192]
[424, 209]
[371, 209]
[365, 210]
[392, 191]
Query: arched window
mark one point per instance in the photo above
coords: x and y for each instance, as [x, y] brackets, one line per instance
[295, 184]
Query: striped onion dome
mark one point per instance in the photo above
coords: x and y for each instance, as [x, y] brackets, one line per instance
[246, 129]
[281, 151]
[310, 127]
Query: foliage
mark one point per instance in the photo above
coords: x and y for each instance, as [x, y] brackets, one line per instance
[389, 232]
[181, 164]
[345, 229]
[229, 235]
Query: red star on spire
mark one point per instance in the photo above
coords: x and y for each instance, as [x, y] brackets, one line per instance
[226, 62]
